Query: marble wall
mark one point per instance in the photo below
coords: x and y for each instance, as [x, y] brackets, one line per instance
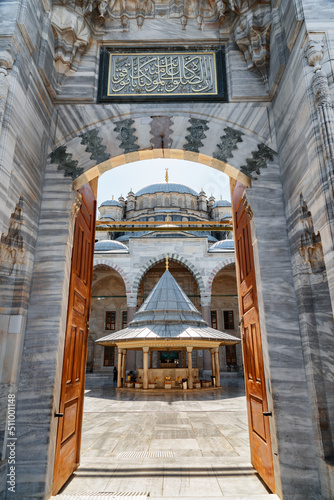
[278, 131]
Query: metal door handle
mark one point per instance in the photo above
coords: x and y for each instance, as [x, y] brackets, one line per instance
[59, 414]
[267, 414]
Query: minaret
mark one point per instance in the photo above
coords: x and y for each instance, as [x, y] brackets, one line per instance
[202, 202]
[130, 201]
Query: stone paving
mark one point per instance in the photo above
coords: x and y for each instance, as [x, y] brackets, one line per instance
[182, 445]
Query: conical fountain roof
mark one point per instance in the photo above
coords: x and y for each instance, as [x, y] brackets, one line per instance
[167, 313]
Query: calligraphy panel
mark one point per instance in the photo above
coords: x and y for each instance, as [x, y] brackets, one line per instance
[152, 75]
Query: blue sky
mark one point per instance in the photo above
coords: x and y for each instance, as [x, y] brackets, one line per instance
[142, 173]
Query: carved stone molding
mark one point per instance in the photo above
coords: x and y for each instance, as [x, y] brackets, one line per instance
[314, 49]
[76, 207]
[12, 250]
[310, 247]
[6, 62]
[72, 35]
[247, 206]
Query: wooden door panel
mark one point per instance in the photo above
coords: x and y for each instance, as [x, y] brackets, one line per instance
[259, 432]
[76, 341]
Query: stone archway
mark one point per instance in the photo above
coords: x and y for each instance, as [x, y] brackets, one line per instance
[64, 168]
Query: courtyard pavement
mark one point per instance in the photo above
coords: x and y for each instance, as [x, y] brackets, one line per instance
[179, 445]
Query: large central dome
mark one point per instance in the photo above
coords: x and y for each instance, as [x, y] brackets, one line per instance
[166, 187]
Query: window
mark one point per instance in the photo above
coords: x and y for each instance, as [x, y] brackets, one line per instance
[124, 319]
[231, 355]
[228, 320]
[110, 320]
[109, 356]
[214, 320]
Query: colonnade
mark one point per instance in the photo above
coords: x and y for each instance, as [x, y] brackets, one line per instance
[122, 355]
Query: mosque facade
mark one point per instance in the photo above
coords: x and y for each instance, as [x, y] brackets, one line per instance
[203, 264]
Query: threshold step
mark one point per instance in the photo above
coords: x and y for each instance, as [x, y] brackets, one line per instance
[269, 496]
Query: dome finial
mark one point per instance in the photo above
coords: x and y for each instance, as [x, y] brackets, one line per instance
[167, 264]
[167, 218]
[112, 197]
[166, 176]
[221, 197]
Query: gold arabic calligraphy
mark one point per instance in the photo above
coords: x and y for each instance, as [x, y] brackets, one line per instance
[158, 74]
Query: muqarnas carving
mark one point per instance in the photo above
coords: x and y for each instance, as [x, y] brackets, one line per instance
[11, 245]
[72, 35]
[310, 243]
[252, 34]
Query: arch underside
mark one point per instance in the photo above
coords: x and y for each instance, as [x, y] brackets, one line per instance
[234, 138]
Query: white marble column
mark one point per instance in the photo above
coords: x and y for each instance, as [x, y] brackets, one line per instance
[145, 367]
[213, 362]
[131, 304]
[206, 314]
[119, 372]
[217, 367]
[124, 366]
[190, 367]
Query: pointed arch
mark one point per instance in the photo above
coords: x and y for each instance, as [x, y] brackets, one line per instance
[105, 262]
[216, 270]
[181, 260]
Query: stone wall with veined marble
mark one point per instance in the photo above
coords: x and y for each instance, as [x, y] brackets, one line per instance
[304, 126]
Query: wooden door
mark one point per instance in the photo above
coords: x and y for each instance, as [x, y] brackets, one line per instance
[260, 443]
[76, 341]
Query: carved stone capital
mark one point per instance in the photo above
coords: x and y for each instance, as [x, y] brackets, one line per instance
[314, 50]
[247, 206]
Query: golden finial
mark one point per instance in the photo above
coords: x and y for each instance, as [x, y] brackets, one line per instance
[166, 176]
[221, 197]
[167, 218]
[167, 263]
[112, 197]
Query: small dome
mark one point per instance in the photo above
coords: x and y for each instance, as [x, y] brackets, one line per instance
[222, 245]
[221, 203]
[111, 203]
[109, 246]
[167, 187]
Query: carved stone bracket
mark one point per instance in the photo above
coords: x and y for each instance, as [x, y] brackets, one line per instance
[11, 244]
[252, 35]
[72, 35]
[247, 206]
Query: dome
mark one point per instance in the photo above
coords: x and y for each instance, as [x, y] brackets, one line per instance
[221, 203]
[110, 245]
[167, 187]
[222, 245]
[111, 203]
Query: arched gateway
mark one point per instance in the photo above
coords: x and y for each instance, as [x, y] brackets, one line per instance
[244, 100]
